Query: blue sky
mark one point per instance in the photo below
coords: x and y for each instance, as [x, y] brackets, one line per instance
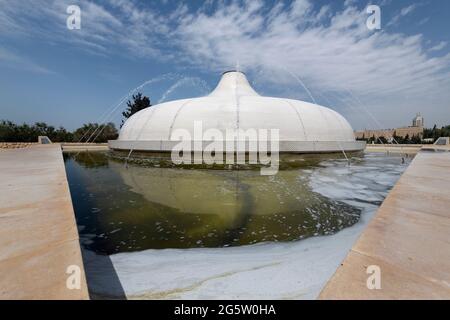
[375, 78]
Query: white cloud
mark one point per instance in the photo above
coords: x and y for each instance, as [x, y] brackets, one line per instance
[423, 21]
[441, 45]
[14, 60]
[342, 53]
[330, 51]
[387, 69]
[408, 9]
[403, 12]
[122, 24]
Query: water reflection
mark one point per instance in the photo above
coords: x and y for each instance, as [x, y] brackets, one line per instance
[131, 208]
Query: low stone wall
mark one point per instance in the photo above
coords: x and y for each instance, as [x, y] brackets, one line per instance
[394, 148]
[66, 146]
[15, 145]
[77, 146]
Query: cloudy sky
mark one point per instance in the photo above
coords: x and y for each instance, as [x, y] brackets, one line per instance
[375, 78]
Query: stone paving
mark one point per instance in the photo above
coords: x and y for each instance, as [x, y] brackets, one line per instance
[38, 232]
[409, 239]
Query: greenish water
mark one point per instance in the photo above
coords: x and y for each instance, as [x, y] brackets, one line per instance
[123, 208]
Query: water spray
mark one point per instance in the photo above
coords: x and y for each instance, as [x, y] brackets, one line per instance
[320, 110]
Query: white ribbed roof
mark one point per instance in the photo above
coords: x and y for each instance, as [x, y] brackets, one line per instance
[234, 104]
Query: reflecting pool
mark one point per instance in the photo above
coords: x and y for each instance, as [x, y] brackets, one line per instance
[123, 208]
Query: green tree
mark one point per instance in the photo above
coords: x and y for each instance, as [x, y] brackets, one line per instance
[84, 132]
[434, 133]
[138, 103]
[11, 132]
[93, 132]
[62, 135]
[415, 139]
[406, 140]
[7, 129]
[109, 132]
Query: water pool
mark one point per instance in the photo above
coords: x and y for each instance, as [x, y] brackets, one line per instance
[130, 208]
[125, 216]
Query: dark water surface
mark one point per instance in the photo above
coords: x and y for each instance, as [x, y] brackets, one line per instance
[122, 209]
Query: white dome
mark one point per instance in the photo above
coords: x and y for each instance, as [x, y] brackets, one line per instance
[303, 126]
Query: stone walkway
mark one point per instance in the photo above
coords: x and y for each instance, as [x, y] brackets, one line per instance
[409, 239]
[38, 232]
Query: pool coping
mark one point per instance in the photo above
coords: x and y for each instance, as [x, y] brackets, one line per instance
[40, 255]
[405, 246]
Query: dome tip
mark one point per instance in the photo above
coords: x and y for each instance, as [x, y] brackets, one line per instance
[233, 70]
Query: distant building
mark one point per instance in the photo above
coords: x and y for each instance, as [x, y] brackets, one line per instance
[417, 121]
[415, 130]
[366, 134]
[409, 131]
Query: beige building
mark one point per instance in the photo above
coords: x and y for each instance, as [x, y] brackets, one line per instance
[418, 121]
[415, 130]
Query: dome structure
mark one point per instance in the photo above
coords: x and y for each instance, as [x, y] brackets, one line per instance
[303, 127]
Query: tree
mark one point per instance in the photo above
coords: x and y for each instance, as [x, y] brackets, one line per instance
[62, 135]
[138, 103]
[434, 133]
[83, 133]
[7, 129]
[382, 139]
[109, 132]
[406, 139]
[11, 132]
[93, 132]
[415, 139]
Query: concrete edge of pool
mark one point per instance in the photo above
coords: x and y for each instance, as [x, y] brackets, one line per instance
[38, 233]
[39, 237]
[408, 238]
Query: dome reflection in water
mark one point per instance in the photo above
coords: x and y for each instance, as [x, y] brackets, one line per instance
[133, 208]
